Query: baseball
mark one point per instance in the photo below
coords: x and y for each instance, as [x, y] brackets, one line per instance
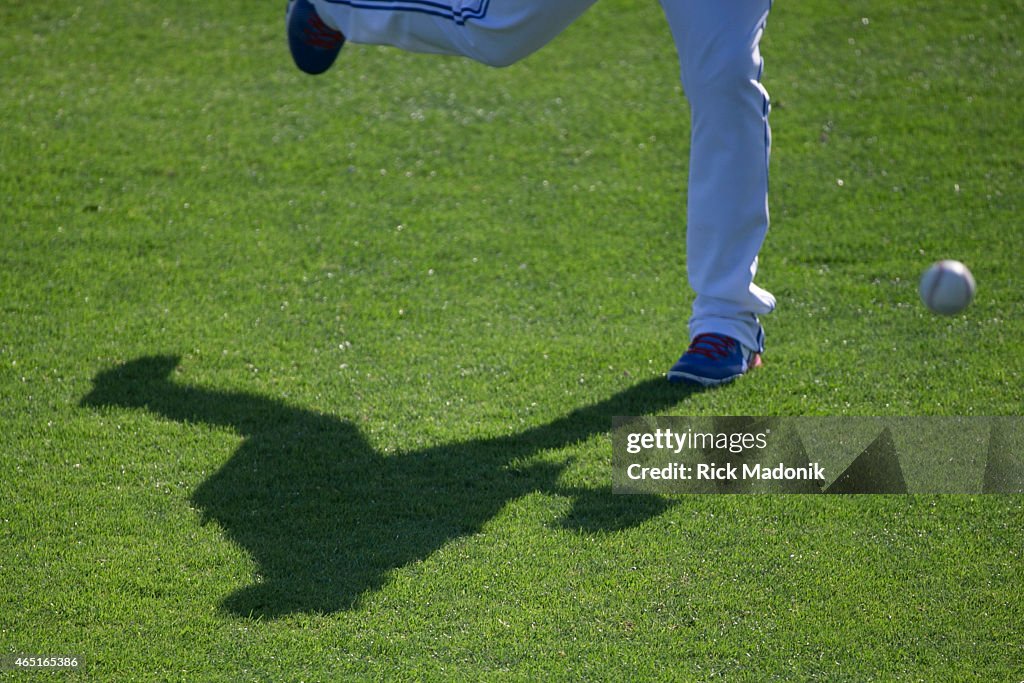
[947, 287]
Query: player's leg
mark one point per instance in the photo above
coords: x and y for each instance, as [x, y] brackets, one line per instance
[495, 32]
[727, 210]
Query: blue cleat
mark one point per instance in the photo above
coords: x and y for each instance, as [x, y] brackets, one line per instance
[313, 43]
[713, 359]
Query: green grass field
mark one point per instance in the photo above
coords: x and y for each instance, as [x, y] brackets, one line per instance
[313, 378]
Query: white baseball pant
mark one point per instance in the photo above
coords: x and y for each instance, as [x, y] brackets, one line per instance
[720, 62]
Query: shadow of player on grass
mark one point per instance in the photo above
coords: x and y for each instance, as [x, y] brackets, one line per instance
[326, 517]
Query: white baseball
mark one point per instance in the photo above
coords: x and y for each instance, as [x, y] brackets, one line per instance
[947, 287]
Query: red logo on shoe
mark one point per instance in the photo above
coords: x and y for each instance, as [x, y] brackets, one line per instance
[320, 35]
